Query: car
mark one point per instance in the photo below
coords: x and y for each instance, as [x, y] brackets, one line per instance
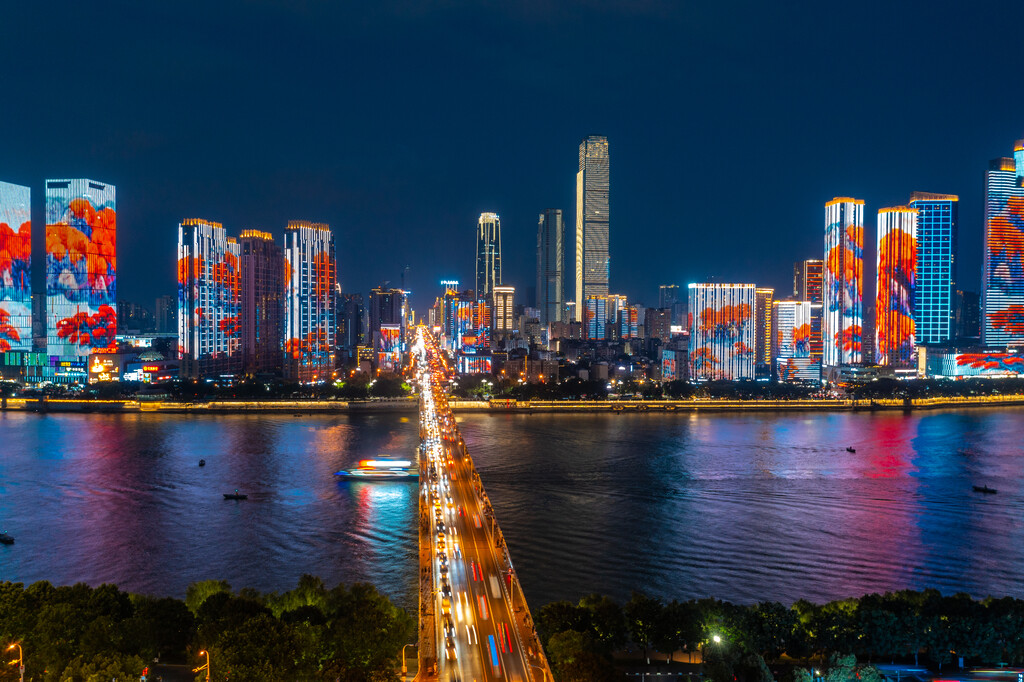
[449, 647]
[446, 606]
[446, 589]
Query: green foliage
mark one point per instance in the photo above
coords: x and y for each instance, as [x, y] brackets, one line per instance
[199, 592]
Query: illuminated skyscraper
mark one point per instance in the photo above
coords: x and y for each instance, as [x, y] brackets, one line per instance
[843, 286]
[897, 286]
[592, 257]
[209, 300]
[15, 268]
[935, 301]
[503, 309]
[1002, 276]
[807, 280]
[550, 259]
[722, 333]
[388, 307]
[309, 318]
[262, 302]
[488, 254]
[763, 332]
[595, 317]
[792, 324]
[81, 267]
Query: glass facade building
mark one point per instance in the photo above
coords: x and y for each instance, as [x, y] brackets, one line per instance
[722, 334]
[937, 233]
[309, 318]
[896, 289]
[592, 256]
[595, 317]
[488, 253]
[15, 268]
[209, 300]
[81, 268]
[1002, 285]
[262, 302]
[550, 265]
[843, 282]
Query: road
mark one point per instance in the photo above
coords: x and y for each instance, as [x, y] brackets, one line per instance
[477, 632]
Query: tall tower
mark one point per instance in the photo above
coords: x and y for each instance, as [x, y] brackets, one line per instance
[897, 285]
[488, 254]
[309, 318]
[209, 300]
[592, 257]
[550, 256]
[15, 268]
[1002, 276]
[262, 302]
[81, 267]
[934, 305]
[843, 285]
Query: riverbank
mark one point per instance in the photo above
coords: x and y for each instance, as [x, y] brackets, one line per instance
[498, 406]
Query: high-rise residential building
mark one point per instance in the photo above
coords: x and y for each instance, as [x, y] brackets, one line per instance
[262, 302]
[209, 300]
[351, 332]
[592, 256]
[595, 317]
[763, 297]
[658, 324]
[388, 307]
[309, 322]
[673, 298]
[81, 267]
[968, 314]
[503, 310]
[722, 334]
[1002, 276]
[15, 268]
[166, 314]
[896, 287]
[934, 303]
[488, 254]
[550, 259]
[843, 282]
[629, 322]
[793, 330]
[807, 280]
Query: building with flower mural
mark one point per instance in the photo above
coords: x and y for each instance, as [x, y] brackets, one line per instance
[15, 268]
[209, 300]
[896, 288]
[843, 285]
[1002, 276]
[81, 269]
[794, 328]
[722, 331]
[309, 318]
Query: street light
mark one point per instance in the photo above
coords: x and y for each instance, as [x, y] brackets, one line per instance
[716, 639]
[205, 666]
[404, 669]
[21, 661]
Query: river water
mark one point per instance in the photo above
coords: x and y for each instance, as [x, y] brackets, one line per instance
[741, 507]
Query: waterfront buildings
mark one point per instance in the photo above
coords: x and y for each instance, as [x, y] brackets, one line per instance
[15, 268]
[722, 331]
[791, 349]
[843, 282]
[81, 268]
[262, 314]
[488, 253]
[937, 237]
[209, 300]
[896, 289]
[592, 255]
[1002, 292]
[807, 280]
[309, 301]
[550, 265]
[763, 332]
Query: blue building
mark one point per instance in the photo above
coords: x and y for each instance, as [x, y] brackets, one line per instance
[934, 305]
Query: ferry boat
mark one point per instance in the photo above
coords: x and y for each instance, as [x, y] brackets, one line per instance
[374, 469]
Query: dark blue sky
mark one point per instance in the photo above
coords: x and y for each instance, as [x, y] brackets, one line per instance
[730, 124]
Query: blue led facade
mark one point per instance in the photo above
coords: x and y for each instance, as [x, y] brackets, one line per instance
[934, 305]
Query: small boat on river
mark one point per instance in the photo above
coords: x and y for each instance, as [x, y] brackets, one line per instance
[380, 469]
[985, 489]
[6, 539]
[236, 495]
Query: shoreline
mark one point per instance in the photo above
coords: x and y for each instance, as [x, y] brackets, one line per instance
[500, 406]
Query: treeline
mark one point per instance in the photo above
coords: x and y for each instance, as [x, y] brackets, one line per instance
[925, 628]
[79, 633]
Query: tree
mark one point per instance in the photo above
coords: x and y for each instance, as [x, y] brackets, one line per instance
[199, 592]
[644, 618]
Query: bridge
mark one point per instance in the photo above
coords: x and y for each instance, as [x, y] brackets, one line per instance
[475, 624]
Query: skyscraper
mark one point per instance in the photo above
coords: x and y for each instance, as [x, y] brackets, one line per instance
[807, 280]
[721, 331]
[843, 286]
[209, 300]
[592, 257]
[1002, 276]
[81, 267]
[935, 301]
[897, 285]
[503, 309]
[262, 302]
[550, 257]
[387, 307]
[763, 332]
[792, 323]
[488, 254]
[672, 298]
[595, 317]
[15, 268]
[309, 269]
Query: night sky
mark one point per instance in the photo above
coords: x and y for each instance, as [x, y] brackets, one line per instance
[730, 125]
